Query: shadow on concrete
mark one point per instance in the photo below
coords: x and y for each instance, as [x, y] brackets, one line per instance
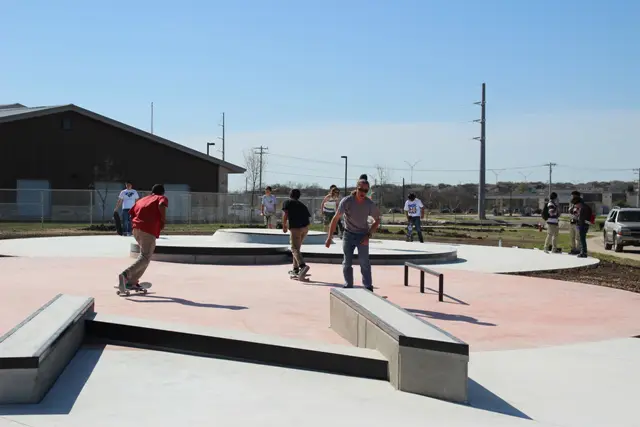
[320, 283]
[453, 299]
[452, 317]
[160, 299]
[481, 398]
[64, 393]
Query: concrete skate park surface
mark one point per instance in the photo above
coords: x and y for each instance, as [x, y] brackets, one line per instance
[468, 257]
[543, 352]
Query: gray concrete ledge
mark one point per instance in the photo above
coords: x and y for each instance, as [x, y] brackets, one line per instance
[239, 345]
[264, 236]
[226, 255]
[423, 359]
[34, 353]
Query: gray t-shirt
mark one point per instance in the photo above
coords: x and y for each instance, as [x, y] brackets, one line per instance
[357, 213]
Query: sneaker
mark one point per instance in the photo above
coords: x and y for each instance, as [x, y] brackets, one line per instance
[123, 283]
[369, 289]
[303, 272]
[582, 255]
[347, 287]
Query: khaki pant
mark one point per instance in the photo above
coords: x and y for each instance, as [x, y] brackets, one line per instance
[270, 219]
[552, 236]
[296, 237]
[574, 237]
[147, 243]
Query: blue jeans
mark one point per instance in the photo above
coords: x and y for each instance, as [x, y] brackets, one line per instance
[126, 222]
[414, 222]
[351, 241]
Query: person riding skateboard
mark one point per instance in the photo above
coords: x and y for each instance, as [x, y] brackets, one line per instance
[148, 217]
[295, 219]
[356, 209]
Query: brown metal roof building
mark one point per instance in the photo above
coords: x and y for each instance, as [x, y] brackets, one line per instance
[70, 148]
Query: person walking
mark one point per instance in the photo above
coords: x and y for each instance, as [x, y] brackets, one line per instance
[296, 220]
[148, 217]
[414, 210]
[356, 210]
[329, 206]
[268, 208]
[574, 236]
[126, 199]
[553, 224]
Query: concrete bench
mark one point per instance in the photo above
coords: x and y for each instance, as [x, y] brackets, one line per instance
[240, 345]
[34, 353]
[423, 359]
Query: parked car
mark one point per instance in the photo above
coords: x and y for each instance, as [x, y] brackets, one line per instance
[621, 228]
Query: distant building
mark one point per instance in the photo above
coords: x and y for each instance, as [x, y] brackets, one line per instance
[70, 148]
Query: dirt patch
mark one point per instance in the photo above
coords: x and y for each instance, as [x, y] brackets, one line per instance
[606, 273]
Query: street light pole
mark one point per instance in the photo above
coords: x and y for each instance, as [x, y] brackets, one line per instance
[411, 166]
[210, 144]
[345, 174]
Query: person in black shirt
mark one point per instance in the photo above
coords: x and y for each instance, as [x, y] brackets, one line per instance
[297, 215]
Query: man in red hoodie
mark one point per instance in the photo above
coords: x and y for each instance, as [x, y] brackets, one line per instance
[148, 217]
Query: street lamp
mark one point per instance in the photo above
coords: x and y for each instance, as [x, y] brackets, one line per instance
[345, 174]
[411, 166]
[210, 144]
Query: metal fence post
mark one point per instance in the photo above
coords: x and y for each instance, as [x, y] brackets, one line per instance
[42, 208]
[441, 287]
[421, 282]
[90, 208]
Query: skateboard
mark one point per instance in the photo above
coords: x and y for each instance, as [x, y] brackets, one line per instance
[144, 286]
[117, 222]
[295, 277]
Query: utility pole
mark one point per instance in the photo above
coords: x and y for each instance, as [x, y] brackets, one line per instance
[638, 191]
[152, 118]
[551, 165]
[261, 151]
[222, 138]
[482, 139]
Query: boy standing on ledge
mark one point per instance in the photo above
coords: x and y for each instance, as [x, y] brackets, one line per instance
[148, 218]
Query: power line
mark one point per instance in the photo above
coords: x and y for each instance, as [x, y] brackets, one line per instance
[403, 169]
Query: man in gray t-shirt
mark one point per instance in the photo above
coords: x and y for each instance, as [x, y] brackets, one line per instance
[356, 209]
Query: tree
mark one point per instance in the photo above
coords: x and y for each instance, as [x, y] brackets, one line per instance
[253, 170]
[106, 171]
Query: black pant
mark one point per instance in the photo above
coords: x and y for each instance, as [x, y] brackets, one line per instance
[582, 231]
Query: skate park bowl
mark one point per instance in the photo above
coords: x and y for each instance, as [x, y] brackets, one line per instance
[264, 236]
[268, 247]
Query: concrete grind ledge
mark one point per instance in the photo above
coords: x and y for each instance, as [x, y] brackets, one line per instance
[239, 345]
[34, 353]
[423, 359]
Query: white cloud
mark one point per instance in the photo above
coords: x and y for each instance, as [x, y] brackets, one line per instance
[584, 140]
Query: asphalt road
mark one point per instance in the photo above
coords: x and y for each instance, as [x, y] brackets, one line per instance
[595, 244]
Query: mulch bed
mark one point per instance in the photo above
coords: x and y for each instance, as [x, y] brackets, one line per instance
[606, 273]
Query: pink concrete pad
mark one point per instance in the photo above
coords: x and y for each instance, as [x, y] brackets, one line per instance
[488, 311]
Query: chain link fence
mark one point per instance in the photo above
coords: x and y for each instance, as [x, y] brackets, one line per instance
[97, 206]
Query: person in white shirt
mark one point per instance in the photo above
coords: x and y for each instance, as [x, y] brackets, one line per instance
[268, 208]
[126, 199]
[414, 209]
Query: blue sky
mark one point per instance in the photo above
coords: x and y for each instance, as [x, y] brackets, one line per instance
[384, 82]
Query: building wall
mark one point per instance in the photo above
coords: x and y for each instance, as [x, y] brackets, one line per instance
[72, 151]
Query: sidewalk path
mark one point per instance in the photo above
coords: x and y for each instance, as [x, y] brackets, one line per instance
[595, 244]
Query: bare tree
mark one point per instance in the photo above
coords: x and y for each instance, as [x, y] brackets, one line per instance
[254, 169]
[383, 175]
[104, 172]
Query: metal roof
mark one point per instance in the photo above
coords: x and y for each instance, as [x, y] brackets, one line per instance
[14, 112]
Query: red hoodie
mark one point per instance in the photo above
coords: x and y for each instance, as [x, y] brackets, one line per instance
[145, 214]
